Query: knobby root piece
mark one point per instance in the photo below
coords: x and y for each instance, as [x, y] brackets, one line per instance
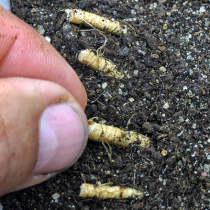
[112, 135]
[87, 57]
[81, 17]
[108, 192]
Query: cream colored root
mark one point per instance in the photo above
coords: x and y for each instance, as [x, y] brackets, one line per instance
[81, 17]
[112, 135]
[87, 57]
[108, 192]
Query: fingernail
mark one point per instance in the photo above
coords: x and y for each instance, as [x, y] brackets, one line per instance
[62, 138]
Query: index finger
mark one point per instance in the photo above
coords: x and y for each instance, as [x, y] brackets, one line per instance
[25, 53]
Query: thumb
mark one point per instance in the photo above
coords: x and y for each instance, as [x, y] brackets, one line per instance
[43, 131]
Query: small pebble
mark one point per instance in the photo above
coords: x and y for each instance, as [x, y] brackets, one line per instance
[162, 68]
[206, 167]
[41, 29]
[165, 26]
[155, 56]
[56, 196]
[141, 52]
[185, 88]
[166, 105]
[124, 52]
[104, 85]
[48, 39]
[131, 99]
[160, 179]
[164, 152]
[164, 182]
[202, 9]
[136, 73]
[108, 172]
[83, 33]
[180, 134]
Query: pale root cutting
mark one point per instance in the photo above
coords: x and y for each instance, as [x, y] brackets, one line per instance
[87, 57]
[81, 17]
[112, 135]
[109, 192]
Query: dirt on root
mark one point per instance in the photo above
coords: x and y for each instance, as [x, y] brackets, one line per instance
[165, 95]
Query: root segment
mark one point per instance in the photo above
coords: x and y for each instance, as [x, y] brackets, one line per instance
[108, 192]
[100, 132]
[87, 57]
[81, 17]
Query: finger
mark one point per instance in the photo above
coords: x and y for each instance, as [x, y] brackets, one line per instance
[25, 53]
[43, 130]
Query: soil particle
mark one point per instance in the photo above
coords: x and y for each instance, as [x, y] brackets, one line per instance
[151, 40]
[118, 162]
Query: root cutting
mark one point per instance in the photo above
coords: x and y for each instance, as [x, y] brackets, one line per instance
[100, 133]
[109, 192]
[87, 57]
[81, 17]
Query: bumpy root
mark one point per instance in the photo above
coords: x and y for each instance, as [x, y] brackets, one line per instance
[112, 135]
[81, 17]
[108, 192]
[87, 57]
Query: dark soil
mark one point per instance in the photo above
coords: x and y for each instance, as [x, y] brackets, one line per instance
[165, 95]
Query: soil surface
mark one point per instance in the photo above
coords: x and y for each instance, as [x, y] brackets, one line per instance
[164, 95]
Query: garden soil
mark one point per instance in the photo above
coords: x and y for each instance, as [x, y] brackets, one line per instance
[164, 95]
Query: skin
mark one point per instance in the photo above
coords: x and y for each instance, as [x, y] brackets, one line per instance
[25, 53]
[32, 76]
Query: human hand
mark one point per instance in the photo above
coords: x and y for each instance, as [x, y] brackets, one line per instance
[43, 125]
